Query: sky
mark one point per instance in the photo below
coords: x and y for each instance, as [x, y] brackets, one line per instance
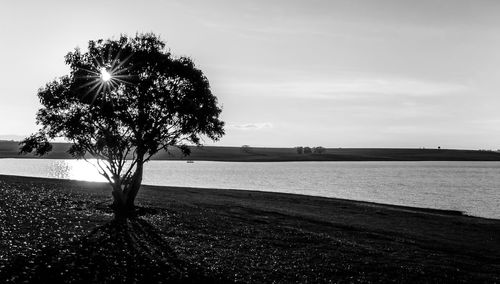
[385, 73]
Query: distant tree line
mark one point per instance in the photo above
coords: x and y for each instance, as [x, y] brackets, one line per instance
[309, 150]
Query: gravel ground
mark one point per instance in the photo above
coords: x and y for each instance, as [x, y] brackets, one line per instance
[54, 231]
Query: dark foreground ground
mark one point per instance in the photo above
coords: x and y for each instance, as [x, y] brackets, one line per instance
[54, 231]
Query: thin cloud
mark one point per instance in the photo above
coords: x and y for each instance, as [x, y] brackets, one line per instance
[251, 126]
[349, 88]
[13, 137]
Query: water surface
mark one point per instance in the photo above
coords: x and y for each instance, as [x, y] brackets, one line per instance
[471, 187]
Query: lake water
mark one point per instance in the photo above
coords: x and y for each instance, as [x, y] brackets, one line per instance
[471, 187]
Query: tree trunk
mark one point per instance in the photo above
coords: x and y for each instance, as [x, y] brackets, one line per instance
[133, 188]
[124, 198]
[119, 204]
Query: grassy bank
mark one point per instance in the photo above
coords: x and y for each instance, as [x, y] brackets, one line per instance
[9, 149]
[56, 230]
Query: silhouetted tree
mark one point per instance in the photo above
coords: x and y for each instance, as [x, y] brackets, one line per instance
[299, 149]
[245, 149]
[123, 101]
[318, 150]
[307, 150]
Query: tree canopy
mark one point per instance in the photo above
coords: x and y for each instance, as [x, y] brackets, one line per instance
[123, 101]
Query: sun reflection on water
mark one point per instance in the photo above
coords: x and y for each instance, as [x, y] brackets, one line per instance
[79, 170]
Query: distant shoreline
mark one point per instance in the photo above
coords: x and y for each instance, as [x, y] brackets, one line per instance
[10, 149]
[242, 193]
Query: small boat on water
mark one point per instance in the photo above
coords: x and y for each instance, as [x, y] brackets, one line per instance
[190, 161]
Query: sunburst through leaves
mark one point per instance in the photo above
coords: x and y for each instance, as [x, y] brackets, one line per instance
[103, 74]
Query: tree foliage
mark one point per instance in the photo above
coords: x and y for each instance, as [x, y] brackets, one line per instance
[319, 150]
[152, 101]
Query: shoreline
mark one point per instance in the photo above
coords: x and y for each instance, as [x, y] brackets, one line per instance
[258, 161]
[252, 236]
[244, 192]
[10, 149]
[241, 193]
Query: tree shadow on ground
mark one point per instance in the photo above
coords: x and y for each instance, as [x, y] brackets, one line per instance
[129, 251]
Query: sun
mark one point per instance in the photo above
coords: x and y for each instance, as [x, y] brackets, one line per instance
[105, 75]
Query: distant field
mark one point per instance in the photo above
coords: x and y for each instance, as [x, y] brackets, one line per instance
[9, 149]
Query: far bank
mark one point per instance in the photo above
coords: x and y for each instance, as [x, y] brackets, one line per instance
[10, 149]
